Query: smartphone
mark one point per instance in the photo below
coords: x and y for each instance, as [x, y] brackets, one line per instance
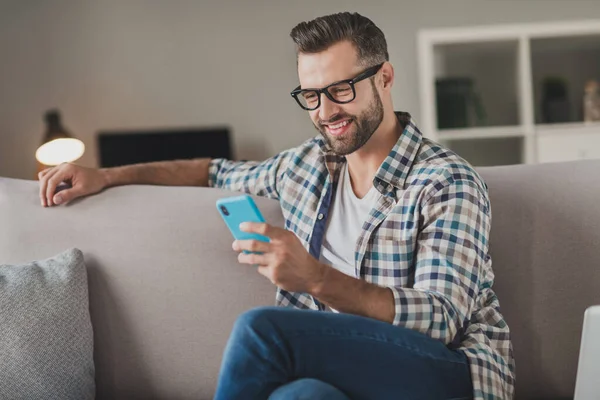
[238, 209]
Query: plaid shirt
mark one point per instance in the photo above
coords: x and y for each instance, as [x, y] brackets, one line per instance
[426, 239]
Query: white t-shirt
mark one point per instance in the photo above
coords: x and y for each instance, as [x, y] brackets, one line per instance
[344, 224]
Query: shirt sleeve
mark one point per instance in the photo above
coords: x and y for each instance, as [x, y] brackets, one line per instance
[258, 178]
[451, 250]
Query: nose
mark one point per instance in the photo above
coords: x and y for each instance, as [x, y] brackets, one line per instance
[327, 109]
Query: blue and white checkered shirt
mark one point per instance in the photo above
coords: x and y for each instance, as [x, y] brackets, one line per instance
[426, 239]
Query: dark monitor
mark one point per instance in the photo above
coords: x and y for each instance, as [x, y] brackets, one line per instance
[117, 148]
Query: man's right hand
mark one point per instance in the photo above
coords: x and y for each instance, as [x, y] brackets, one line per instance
[83, 181]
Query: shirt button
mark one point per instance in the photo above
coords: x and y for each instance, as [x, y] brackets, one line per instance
[320, 217]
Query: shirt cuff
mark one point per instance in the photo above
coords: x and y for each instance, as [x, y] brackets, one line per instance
[213, 171]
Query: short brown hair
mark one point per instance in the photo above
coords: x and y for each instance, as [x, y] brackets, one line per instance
[321, 33]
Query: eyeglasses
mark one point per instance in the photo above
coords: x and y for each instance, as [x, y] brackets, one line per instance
[340, 92]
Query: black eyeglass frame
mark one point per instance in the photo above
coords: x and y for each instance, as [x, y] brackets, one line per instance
[369, 72]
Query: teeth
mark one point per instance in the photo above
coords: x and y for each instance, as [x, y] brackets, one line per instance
[338, 126]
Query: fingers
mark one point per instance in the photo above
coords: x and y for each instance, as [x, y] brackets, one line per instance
[256, 246]
[253, 259]
[43, 177]
[65, 196]
[53, 180]
[43, 186]
[43, 172]
[262, 229]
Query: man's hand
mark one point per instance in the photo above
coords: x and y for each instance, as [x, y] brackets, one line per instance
[285, 262]
[83, 181]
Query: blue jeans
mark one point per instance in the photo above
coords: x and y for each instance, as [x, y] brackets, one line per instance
[283, 353]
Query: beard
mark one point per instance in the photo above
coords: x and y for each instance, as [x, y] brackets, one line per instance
[365, 125]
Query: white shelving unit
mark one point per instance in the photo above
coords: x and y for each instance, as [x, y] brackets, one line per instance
[505, 66]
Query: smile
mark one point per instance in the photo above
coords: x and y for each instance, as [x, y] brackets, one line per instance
[339, 128]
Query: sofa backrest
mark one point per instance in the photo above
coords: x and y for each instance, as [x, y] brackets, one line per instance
[545, 246]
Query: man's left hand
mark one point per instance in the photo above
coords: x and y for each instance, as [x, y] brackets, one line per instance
[284, 261]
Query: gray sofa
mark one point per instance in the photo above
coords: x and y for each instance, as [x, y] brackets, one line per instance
[165, 286]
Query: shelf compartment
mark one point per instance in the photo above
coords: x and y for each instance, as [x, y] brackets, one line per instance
[476, 76]
[568, 147]
[570, 62]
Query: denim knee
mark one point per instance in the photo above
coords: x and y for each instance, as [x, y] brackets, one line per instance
[308, 389]
[258, 319]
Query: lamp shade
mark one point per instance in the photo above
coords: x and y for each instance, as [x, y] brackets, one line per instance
[59, 151]
[58, 145]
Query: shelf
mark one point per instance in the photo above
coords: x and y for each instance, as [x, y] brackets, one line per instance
[508, 94]
[567, 127]
[486, 132]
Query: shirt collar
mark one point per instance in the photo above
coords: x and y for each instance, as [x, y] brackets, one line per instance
[395, 168]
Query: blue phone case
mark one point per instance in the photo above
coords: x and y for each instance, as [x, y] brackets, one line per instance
[235, 210]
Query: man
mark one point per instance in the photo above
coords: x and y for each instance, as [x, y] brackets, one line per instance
[384, 227]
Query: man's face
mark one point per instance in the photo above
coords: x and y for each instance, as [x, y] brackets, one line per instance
[345, 127]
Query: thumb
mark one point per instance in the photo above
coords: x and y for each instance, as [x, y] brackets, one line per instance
[64, 196]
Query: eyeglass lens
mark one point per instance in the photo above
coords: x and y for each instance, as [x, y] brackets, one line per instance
[341, 93]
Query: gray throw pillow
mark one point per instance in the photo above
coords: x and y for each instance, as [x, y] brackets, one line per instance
[46, 339]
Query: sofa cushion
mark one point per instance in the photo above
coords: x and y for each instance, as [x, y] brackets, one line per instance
[46, 341]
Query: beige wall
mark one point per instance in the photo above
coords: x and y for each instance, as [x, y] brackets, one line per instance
[142, 64]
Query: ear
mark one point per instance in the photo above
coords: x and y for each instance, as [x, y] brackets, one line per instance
[387, 74]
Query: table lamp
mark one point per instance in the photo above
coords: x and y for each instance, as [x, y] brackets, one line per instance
[58, 145]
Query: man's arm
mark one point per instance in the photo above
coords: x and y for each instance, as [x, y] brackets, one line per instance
[451, 249]
[287, 264]
[354, 296]
[84, 181]
[258, 178]
[172, 173]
